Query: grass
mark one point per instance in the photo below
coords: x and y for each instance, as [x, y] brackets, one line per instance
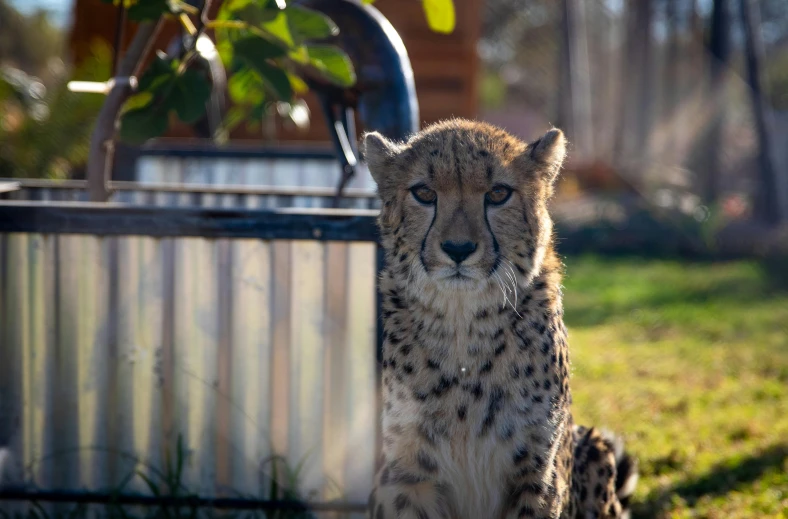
[689, 361]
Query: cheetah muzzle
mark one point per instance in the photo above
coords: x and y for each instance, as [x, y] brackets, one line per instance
[476, 415]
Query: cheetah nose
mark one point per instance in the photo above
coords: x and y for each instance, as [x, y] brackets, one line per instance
[458, 251]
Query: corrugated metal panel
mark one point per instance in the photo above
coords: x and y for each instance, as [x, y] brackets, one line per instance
[274, 172]
[198, 195]
[258, 171]
[112, 347]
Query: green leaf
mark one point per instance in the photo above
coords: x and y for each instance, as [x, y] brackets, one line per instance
[235, 5]
[189, 95]
[255, 14]
[332, 63]
[276, 80]
[137, 126]
[138, 100]
[234, 116]
[246, 87]
[299, 87]
[159, 72]
[254, 49]
[279, 29]
[149, 10]
[306, 24]
[367, 2]
[298, 55]
[273, 77]
[225, 48]
[440, 15]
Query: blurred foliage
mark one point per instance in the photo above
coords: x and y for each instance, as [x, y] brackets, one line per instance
[492, 90]
[268, 48]
[48, 137]
[440, 14]
[28, 42]
[264, 48]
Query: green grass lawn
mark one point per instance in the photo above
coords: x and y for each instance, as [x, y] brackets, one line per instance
[689, 361]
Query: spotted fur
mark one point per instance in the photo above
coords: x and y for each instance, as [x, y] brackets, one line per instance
[476, 416]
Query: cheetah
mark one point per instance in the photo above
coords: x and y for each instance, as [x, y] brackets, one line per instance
[476, 403]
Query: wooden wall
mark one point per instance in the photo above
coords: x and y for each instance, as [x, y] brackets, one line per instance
[445, 66]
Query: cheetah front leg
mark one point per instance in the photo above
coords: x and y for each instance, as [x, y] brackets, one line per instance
[534, 500]
[541, 483]
[402, 495]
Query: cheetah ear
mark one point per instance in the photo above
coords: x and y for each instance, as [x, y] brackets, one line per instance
[379, 153]
[549, 152]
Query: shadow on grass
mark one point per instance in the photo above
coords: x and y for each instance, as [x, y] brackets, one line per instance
[721, 479]
[739, 288]
[596, 313]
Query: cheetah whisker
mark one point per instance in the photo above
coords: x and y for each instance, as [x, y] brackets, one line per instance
[505, 289]
[501, 286]
[510, 274]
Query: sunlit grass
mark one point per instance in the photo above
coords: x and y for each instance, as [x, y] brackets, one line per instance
[690, 362]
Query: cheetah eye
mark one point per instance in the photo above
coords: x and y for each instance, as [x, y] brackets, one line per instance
[423, 194]
[498, 194]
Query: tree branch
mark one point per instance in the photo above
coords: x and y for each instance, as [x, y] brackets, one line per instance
[102, 145]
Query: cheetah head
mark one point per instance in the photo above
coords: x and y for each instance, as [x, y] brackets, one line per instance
[465, 203]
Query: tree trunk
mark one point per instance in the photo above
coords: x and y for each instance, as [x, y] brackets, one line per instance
[643, 108]
[574, 79]
[579, 78]
[773, 206]
[720, 50]
[670, 86]
[102, 145]
[635, 110]
[564, 105]
[697, 48]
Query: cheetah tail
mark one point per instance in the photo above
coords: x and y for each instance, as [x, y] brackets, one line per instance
[626, 476]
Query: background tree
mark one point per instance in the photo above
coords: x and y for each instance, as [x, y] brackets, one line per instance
[773, 206]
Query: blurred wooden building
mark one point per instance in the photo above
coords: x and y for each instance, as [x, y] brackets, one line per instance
[445, 66]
